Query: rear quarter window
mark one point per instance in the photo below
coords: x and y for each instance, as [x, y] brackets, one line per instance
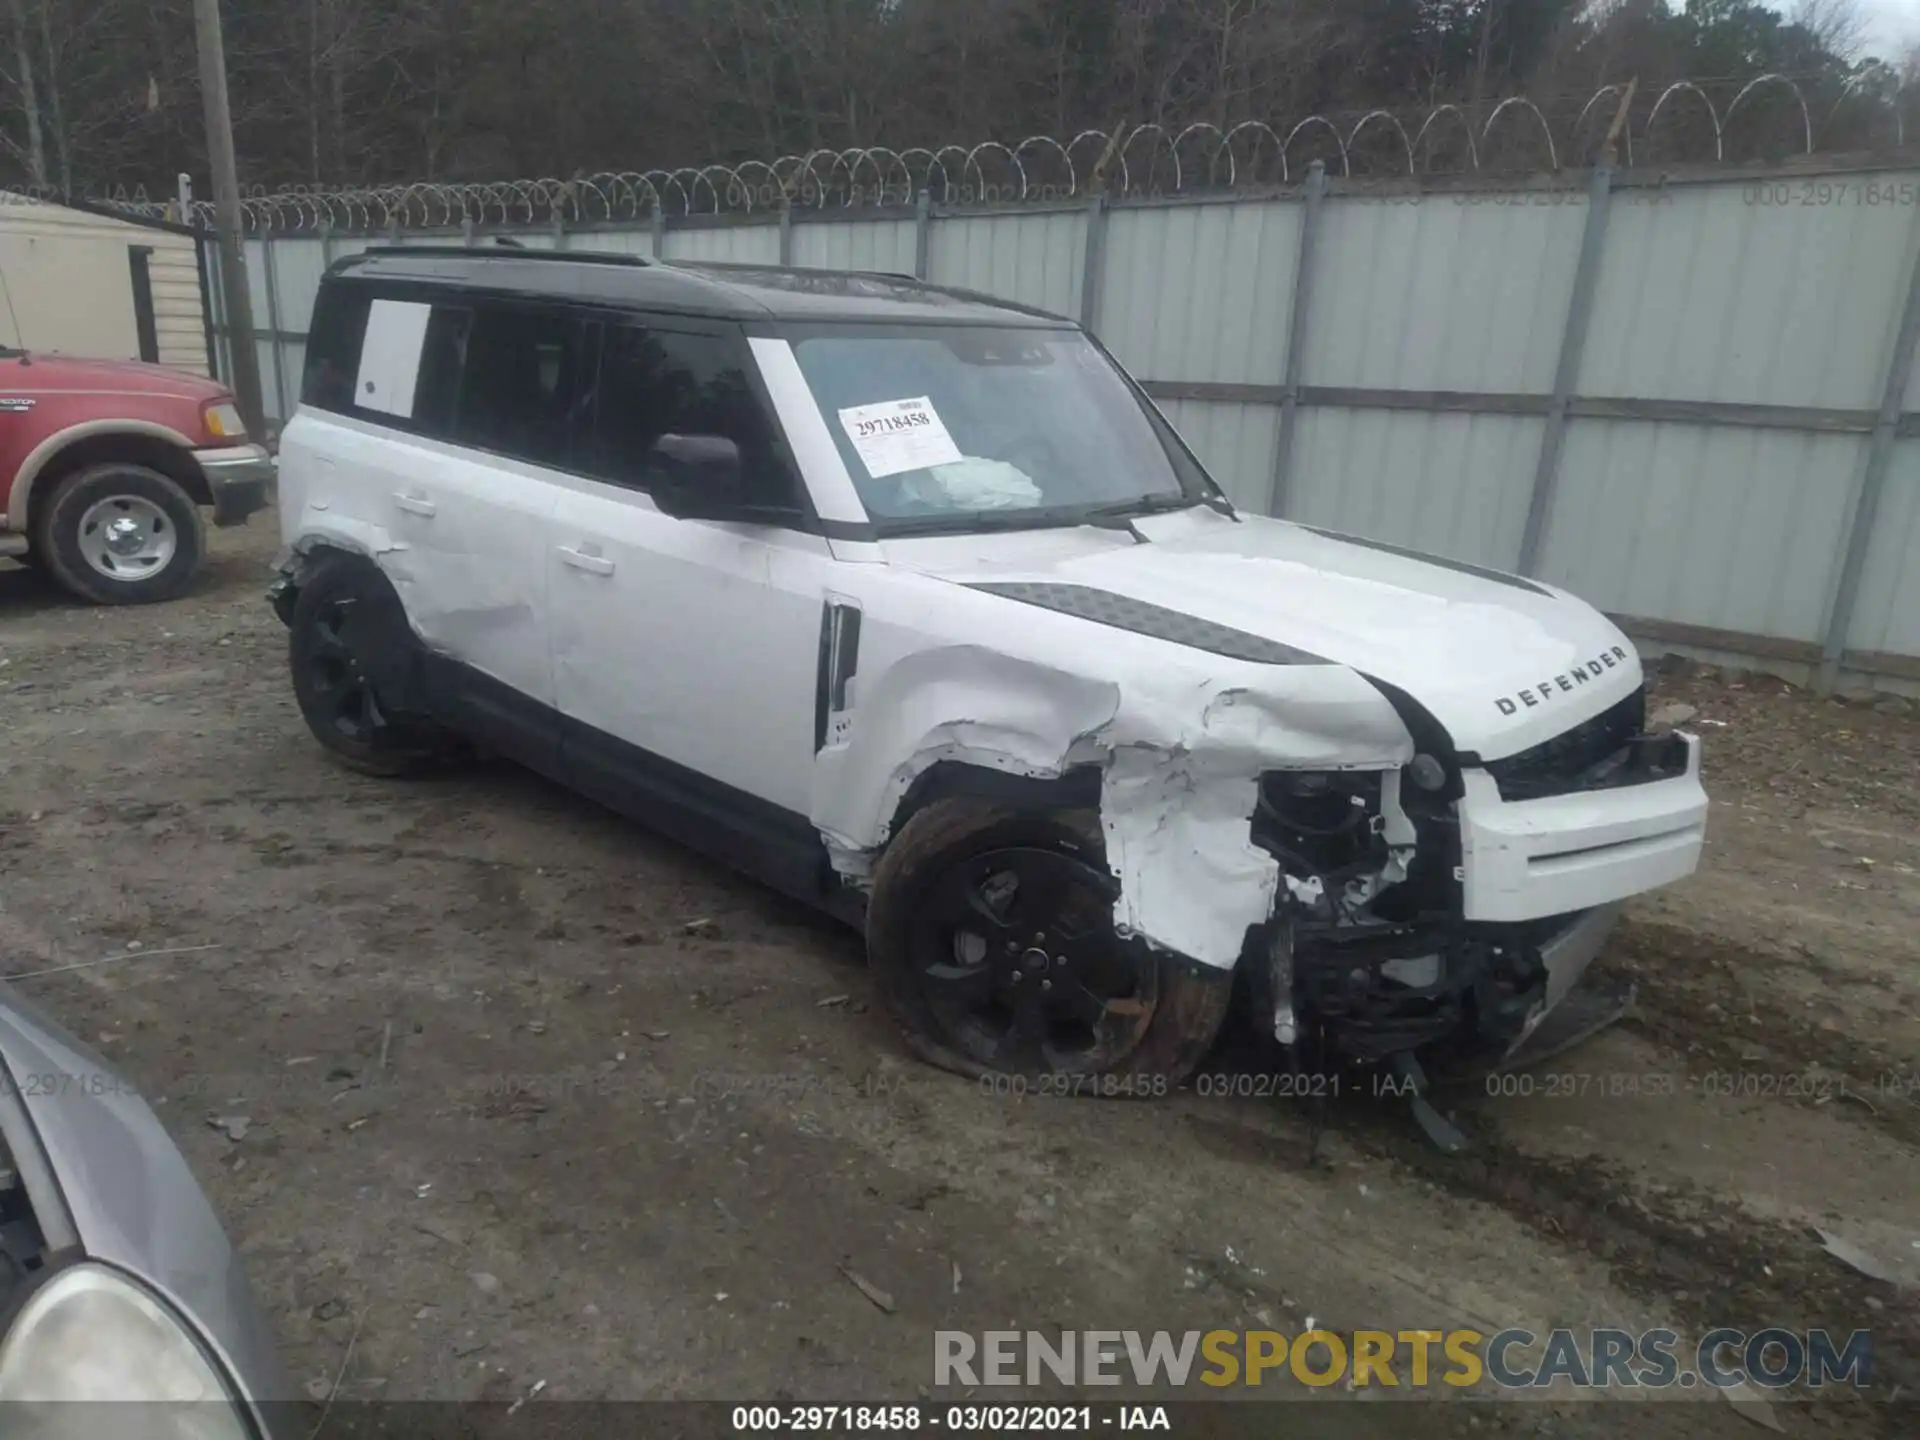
[359, 364]
[333, 347]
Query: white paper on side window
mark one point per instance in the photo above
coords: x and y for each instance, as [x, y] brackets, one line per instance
[390, 357]
[899, 435]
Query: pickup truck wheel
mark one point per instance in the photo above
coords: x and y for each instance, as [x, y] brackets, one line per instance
[990, 933]
[345, 611]
[120, 534]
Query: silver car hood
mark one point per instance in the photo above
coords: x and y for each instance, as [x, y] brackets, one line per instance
[133, 1201]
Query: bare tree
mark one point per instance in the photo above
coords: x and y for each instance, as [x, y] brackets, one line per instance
[354, 91]
[35, 153]
[1840, 26]
[55, 114]
[1261, 53]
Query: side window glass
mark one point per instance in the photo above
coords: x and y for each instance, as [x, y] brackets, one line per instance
[333, 348]
[443, 359]
[521, 386]
[666, 382]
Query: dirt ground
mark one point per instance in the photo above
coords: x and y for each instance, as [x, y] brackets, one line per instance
[513, 1117]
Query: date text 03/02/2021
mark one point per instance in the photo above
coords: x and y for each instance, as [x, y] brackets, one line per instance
[964, 1419]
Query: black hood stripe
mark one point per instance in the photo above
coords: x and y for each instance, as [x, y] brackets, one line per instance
[1499, 577]
[1122, 612]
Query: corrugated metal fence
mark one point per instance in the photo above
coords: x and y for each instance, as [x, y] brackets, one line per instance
[1689, 399]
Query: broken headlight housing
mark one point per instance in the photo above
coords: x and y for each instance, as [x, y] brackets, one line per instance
[1318, 822]
[1368, 955]
[92, 1334]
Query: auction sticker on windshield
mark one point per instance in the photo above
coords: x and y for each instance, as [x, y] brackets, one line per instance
[899, 435]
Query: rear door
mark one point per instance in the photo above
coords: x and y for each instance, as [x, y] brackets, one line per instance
[463, 412]
[482, 521]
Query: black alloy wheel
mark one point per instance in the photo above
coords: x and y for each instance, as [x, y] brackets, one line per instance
[1018, 960]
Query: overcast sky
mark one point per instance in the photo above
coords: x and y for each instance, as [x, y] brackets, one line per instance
[1890, 24]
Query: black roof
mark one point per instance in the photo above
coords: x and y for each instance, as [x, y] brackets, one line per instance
[737, 292]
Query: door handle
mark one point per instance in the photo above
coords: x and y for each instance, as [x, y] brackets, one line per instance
[414, 504]
[580, 560]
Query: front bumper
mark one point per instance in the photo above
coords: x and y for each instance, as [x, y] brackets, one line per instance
[1566, 957]
[1538, 885]
[1476, 992]
[243, 481]
[1524, 860]
[284, 592]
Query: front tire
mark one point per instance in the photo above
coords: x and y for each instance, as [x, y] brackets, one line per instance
[990, 934]
[120, 534]
[345, 621]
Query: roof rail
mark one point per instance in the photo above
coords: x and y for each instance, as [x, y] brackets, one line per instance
[512, 252]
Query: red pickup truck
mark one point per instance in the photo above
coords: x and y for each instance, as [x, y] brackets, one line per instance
[106, 465]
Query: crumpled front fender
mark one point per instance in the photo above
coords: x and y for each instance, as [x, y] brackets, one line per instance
[1180, 747]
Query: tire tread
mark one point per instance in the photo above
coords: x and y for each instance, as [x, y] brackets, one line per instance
[54, 550]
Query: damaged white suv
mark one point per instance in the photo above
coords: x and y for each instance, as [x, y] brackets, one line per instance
[908, 602]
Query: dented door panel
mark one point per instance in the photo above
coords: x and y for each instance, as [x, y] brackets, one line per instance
[461, 534]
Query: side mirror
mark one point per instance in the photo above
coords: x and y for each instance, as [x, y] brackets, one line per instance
[697, 477]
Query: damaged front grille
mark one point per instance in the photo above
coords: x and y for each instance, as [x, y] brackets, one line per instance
[1377, 991]
[1581, 758]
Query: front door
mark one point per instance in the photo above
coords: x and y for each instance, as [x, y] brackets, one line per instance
[687, 652]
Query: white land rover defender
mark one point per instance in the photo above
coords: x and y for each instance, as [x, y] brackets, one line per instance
[908, 602]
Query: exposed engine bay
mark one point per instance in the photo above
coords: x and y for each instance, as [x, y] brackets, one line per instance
[1370, 957]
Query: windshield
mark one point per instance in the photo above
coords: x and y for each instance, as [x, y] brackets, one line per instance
[964, 427]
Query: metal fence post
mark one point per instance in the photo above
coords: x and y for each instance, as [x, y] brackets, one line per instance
[272, 277]
[220, 332]
[466, 231]
[1865, 505]
[559, 231]
[922, 232]
[1573, 346]
[202, 243]
[326, 245]
[1315, 193]
[1093, 267]
[659, 231]
[786, 236]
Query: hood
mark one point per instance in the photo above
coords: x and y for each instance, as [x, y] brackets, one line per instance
[133, 1201]
[1502, 662]
[127, 377]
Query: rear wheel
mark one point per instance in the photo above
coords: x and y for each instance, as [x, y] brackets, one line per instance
[345, 624]
[120, 534]
[991, 937]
